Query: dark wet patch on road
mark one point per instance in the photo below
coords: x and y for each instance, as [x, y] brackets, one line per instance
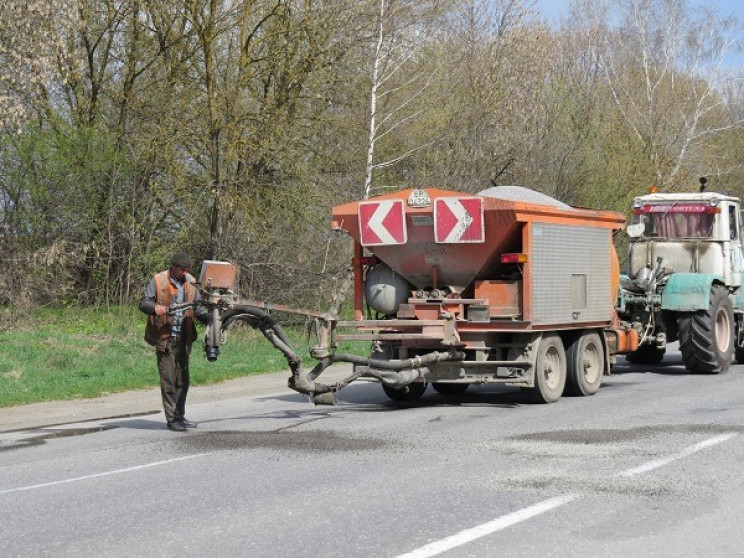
[52, 425]
[42, 438]
[309, 441]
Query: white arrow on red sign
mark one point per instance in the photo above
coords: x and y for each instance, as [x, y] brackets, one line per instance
[382, 223]
[458, 220]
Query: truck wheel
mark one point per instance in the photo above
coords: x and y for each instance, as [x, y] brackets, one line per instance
[550, 371]
[411, 392]
[449, 389]
[585, 364]
[646, 354]
[706, 337]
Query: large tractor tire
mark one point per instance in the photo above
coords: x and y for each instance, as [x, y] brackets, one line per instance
[550, 371]
[646, 354]
[411, 392]
[706, 337]
[585, 364]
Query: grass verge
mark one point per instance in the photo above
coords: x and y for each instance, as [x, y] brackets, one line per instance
[81, 353]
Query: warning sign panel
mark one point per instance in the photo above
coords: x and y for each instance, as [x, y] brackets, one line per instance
[458, 220]
[382, 223]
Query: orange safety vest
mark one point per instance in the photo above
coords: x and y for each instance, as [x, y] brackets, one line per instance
[158, 328]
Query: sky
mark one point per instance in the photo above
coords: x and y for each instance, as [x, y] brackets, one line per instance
[552, 10]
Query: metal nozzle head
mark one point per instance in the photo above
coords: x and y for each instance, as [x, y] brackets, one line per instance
[212, 353]
[327, 398]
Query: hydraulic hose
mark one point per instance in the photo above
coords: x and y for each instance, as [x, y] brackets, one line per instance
[415, 362]
[258, 319]
[396, 373]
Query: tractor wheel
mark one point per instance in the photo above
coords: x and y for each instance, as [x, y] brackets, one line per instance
[550, 371]
[411, 392]
[585, 365]
[646, 354]
[706, 337]
[449, 389]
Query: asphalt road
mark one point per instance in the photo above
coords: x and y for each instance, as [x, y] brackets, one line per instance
[650, 466]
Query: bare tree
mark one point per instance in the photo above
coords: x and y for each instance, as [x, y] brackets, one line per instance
[665, 66]
[494, 58]
[399, 76]
[33, 37]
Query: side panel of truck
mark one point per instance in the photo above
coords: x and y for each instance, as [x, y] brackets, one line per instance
[570, 274]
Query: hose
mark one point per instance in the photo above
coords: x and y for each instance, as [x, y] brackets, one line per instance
[396, 373]
[415, 362]
[258, 319]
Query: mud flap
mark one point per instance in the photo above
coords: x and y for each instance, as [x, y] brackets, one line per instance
[525, 350]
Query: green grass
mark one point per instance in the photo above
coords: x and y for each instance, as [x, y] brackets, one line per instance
[79, 353]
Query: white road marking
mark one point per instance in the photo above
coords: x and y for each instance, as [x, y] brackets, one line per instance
[106, 474]
[469, 535]
[651, 465]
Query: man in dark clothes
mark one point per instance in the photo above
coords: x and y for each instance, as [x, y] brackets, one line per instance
[173, 334]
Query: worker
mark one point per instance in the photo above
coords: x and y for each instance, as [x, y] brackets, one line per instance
[172, 333]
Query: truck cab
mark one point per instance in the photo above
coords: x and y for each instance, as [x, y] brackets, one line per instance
[683, 278]
[693, 233]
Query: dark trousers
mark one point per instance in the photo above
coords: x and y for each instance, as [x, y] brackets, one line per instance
[173, 366]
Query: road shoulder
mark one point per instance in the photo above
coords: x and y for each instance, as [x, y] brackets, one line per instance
[142, 402]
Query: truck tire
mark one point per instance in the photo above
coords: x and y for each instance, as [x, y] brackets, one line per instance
[411, 392]
[646, 354]
[585, 365]
[449, 389]
[550, 371]
[706, 337]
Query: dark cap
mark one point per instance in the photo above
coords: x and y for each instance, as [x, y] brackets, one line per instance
[181, 259]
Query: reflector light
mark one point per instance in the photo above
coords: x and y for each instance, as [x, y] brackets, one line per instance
[369, 260]
[513, 258]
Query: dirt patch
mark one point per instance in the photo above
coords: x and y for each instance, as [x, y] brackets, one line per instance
[612, 435]
[310, 441]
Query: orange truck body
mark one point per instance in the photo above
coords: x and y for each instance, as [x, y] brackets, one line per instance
[482, 275]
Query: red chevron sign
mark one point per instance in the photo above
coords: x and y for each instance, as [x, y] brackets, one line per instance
[458, 220]
[382, 223]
